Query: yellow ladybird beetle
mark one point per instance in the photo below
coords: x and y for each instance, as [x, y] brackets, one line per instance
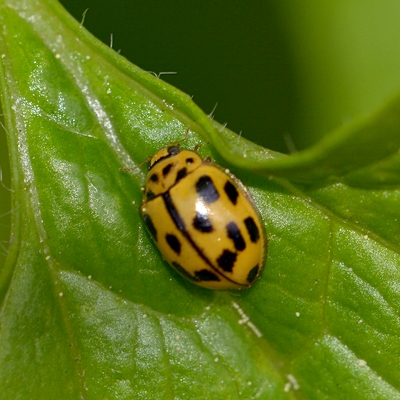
[203, 220]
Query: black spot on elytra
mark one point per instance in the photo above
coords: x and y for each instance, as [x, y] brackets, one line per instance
[227, 260]
[235, 235]
[181, 174]
[252, 229]
[166, 169]
[150, 195]
[189, 160]
[206, 189]
[173, 212]
[202, 223]
[252, 274]
[150, 226]
[173, 242]
[231, 192]
[154, 177]
[206, 275]
[183, 271]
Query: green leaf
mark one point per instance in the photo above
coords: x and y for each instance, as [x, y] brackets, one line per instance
[88, 307]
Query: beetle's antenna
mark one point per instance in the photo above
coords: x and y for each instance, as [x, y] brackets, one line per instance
[178, 142]
[137, 166]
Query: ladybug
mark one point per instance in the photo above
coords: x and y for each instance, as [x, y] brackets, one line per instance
[203, 220]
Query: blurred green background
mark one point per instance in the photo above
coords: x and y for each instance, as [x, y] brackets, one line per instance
[279, 71]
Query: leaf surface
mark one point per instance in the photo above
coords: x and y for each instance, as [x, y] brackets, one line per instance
[88, 307]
